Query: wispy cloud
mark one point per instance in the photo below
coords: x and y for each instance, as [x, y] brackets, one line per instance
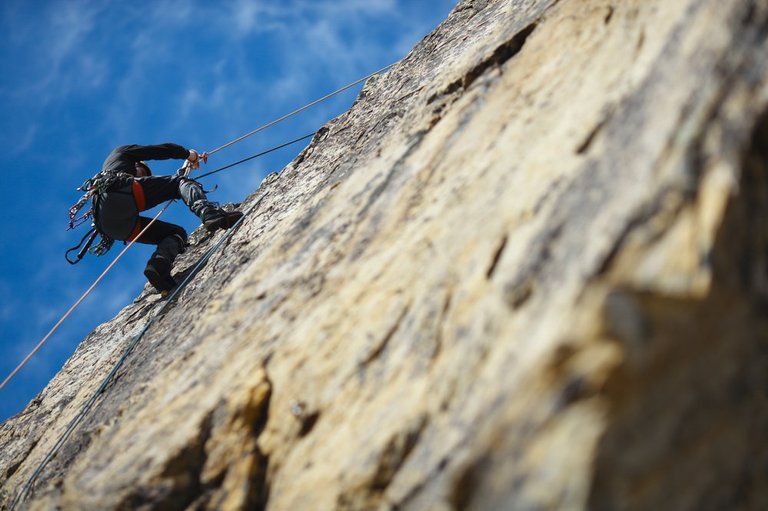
[311, 40]
[60, 34]
[244, 17]
[24, 139]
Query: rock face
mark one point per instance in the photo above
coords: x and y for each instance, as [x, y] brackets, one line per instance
[528, 269]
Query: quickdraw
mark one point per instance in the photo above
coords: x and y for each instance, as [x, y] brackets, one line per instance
[92, 186]
[74, 221]
[103, 246]
[89, 189]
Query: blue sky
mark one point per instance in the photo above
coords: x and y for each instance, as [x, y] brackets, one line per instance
[81, 77]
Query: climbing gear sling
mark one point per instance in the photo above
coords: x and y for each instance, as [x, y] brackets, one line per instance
[92, 187]
[90, 236]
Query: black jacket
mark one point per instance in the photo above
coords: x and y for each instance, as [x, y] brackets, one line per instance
[124, 158]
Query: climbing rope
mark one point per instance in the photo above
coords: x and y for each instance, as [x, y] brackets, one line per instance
[92, 400]
[299, 110]
[261, 128]
[256, 155]
[79, 301]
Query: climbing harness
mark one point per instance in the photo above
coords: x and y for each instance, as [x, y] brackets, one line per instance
[92, 187]
[96, 183]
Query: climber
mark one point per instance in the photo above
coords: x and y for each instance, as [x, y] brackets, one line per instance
[125, 186]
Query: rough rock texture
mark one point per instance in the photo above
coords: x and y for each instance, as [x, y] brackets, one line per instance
[527, 270]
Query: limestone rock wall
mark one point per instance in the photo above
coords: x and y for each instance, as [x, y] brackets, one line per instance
[528, 269]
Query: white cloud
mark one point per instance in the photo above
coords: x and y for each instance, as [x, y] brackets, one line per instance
[92, 71]
[350, 8]
[169, 14]
[59, 35]
[191, 99]
[317, 40]
[287, 87]
[24, 139]
[247, 16]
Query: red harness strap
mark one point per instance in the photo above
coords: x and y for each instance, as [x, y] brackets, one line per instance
[136, 231]
[138, 196]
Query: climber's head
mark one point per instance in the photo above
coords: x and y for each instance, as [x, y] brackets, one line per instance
[142, 169]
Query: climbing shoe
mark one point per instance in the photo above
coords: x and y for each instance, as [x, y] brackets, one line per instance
[220, 219]
[158, 273]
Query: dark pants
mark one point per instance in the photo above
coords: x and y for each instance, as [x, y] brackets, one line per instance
[169, 238]
[119, 212]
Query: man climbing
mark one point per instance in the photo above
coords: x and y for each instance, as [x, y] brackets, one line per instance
[125, 186]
